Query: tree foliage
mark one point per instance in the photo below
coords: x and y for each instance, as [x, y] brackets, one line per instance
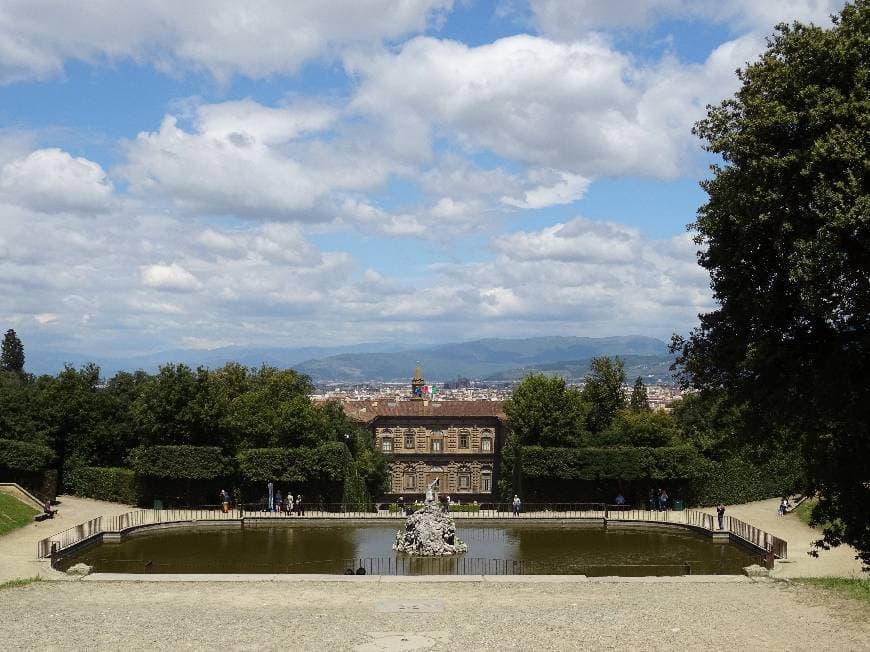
[12, 354]
[180, 462]
[639, 401]
[603, 392]
[786, 239]
[543, 410]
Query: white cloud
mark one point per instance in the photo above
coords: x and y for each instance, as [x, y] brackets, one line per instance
[580, 107]
[169, 277]
[52, 181]
[567, 188]
[223, 37]
[568, 19]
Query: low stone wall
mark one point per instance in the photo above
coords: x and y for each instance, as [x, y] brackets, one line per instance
[17, 491]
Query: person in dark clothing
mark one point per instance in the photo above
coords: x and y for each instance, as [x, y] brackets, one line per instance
[300, 508]
[720, 514]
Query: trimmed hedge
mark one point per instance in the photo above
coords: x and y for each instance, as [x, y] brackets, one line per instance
[24, 456]
[105, 483]
[738, 480]
[180, 462]
[618, 463]
[325, 463]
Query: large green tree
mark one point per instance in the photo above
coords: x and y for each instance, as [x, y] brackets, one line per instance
[604, 392]
[12, 353]
[785, 235]
[544, 411]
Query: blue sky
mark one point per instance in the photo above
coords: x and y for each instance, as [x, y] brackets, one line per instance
[319, 173]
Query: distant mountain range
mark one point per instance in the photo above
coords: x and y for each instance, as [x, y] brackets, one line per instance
[482, 359]
[488, 359]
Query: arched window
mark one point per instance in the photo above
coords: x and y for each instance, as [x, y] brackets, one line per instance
[463, 439]
[486, 444]
[387, 444]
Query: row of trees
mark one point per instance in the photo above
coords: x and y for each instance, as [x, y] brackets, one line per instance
[572, 444]
[126, 421]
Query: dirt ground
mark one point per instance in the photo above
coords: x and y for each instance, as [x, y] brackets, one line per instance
[596, 615]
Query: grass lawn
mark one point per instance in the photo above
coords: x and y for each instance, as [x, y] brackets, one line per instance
[11, 584]
[13, 514]
[803, 510]
[848, 588]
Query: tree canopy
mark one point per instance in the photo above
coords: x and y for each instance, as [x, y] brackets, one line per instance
[603, 392]
[544, 411]
[12, 353]
[785, 235]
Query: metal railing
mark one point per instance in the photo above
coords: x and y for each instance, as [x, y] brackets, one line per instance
[70, 537]
[758, 538]
[415, 566]
[534, 511]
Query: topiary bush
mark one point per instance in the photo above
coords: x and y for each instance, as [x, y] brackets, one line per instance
[105, 483]
[180, 462]
[24, 456]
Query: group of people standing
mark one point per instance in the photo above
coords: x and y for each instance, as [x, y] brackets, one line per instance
[274, 501]
[658, 500]
[287, 504]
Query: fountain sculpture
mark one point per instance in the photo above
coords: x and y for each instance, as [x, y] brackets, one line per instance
[429, 532]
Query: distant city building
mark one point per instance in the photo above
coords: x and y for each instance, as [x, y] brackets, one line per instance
[455, 441]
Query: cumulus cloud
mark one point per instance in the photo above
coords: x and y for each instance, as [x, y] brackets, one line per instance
[222, 37]
[52, 181]
[565, 189]
[580, 106]
[169, 277]
[568, 19]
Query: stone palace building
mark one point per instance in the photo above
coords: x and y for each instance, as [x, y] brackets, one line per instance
[457, 442]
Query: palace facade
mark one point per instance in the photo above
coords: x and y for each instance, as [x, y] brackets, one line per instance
[457, 442]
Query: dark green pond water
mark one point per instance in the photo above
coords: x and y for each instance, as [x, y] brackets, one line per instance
[522, 549]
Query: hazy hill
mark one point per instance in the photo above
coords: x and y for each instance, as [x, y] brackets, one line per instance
[50, 362]
[477, 359]
[384, 362]
[652, 368]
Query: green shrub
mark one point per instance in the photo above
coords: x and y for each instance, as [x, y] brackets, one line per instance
[24, 456]
[325, 463]
[618, 463]
[105, 483]
[739, 480]
[180, 462]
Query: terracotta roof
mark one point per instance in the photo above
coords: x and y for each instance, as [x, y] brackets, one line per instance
[368, 411]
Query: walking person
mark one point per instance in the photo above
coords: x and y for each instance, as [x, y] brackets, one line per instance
[517, 505]
[279, 501]
[720, 514]
[271, 504]
[300, 508]
[663, 500]
[225, 501]
[289, 505]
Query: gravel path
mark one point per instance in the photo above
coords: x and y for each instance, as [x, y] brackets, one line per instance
[469, 616]
[837, 562]
[18, 548]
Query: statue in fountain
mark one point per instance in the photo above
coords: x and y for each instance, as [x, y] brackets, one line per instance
[429, 532]
[432, 493]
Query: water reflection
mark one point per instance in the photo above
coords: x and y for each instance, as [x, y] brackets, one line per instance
[526, 548]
